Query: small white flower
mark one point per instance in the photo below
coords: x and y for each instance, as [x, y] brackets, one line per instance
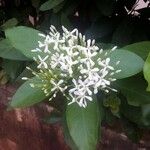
[42, 64]
[57, 41]
[36, 50]
[117, 63]
[56, 60]
[105, 64]
[71, 56]
[48, 40]
[67, 34]
[91, 46]
[117, 71]
[89, 70]
[57, 86]
[114, 48]
[53, 29]
[42, 35]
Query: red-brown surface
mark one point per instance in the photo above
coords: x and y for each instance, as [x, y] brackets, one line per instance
[22, 129]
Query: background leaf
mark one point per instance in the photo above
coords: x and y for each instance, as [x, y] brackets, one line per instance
[134, 90]
[146, 114]
[9, 23]
[3, 77]
[50, 4]
[35, 3]
[83, 125]
[133, 114]
[13, 68]
[132, 131]
[147, 71]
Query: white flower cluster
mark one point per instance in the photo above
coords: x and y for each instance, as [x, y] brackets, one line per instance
[67, 62]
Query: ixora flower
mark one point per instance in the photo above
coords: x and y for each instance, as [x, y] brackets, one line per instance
[70, 64]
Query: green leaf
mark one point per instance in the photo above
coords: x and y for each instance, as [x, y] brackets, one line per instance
[50, 4]
[83, 124]
[130, 63]
[134, 90]
[13, 68]
[58, 7]
[141, 48]
[26, 72]
[67, 137]
[146, 114]
[35, 3]
[7, 51]
[3, 77]
[146, 71]
[26, 95]
[9, 23]
[24, 39]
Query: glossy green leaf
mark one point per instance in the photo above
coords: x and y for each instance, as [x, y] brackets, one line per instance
[130, 63]
[26, 95]
[24, 39]
[50, 4]
[7, 51]
[141, 48]
[83, 125]
[147, 71]
[134, 90]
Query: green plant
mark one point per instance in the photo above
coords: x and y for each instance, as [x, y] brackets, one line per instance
[77, 119]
